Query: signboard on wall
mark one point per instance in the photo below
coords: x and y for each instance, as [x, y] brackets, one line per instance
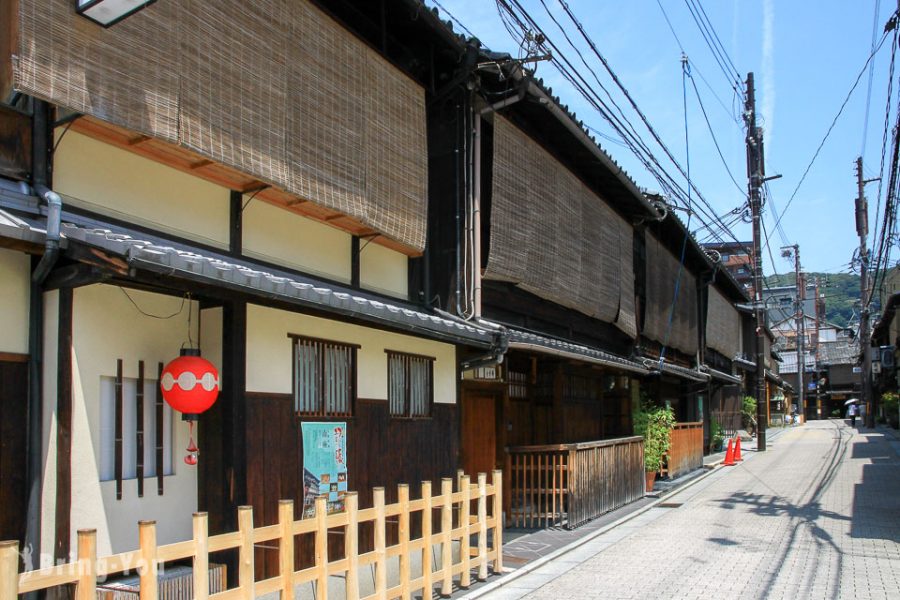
[324, 465]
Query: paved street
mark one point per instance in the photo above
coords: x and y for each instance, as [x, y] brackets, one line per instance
[815, 517]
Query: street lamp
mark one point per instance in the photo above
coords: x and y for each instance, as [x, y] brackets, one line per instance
[109, 12]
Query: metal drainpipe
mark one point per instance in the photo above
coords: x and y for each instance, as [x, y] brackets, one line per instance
[476, 217]
[41, 132]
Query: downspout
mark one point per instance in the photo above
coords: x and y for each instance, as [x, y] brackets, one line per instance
[40, 160]
[476, 218]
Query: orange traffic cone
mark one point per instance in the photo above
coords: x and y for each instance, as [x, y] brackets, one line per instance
[729, 454]
[737, 449]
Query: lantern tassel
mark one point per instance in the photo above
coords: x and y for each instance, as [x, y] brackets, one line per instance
[193, 450]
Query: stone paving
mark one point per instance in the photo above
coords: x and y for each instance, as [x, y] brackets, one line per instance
[817, 516]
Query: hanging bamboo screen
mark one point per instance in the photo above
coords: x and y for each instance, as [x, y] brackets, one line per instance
[555, 238]
[663, 272]
[723, 325]
[273, 88]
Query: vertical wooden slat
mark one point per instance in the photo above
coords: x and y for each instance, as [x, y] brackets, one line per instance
[119, 435]
[246, 567]
[9, 570]
[497, 481]
[87, 564]
[380, 547]
[139, 429]
[351, 545]
[482, 527]
[160, 431]
[148, 569]
[321, 553]
[201, 555]
[446, 540]
[465, 578]
[508, 482]
[403, 535]
[427, 585]
[574, 484]
[553, 494]
[286, 548]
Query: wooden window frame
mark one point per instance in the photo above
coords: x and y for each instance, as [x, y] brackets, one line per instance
[322, 410]
[407, 399]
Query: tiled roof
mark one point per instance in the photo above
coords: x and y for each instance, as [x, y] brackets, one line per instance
[841, 352]
[524, 340]
[152, 253]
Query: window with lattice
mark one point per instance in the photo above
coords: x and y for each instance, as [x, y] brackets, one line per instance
[410, 385]
[324, 377]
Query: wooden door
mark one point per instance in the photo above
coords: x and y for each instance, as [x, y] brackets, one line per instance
[478, 433]
[13, 425]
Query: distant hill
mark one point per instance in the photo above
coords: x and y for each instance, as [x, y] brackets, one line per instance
[841, 292]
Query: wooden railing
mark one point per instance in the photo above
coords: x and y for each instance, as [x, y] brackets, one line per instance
[570, 484]
[685, 449]
[457, 523]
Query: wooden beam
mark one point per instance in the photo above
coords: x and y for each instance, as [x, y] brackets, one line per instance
[75, 275]
[139, 140]
[139, 429]
[64, 426]
[200, 164]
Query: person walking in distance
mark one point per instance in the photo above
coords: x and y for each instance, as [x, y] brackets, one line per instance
[852, 412]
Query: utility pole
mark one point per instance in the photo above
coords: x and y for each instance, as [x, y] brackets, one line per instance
[799, 324]
[867, 399]
[755, 176]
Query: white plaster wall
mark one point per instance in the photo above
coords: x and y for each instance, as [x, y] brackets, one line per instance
[269, 352]
[123, 185]
[383, 270]
[15, 277]
[107, 326]
[211, 340]
[279, 236]
[48, 485]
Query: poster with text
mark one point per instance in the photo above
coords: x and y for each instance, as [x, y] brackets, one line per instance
[324, 465]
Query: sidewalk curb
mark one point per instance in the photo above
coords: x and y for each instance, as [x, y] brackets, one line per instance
[508, 578]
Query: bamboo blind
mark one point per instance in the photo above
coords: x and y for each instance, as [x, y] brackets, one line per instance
[723, 325]
[274, 88]
[663, 272]
[554, 237]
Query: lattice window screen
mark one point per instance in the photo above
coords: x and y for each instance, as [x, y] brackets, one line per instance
[663, 270]
[273, 88]
[723, 325]
[553, 236]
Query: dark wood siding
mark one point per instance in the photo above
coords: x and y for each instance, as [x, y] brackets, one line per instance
[381, 451]
[13, 408]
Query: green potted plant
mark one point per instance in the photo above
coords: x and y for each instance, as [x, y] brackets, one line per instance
[716, 436]
[655, 424]
[890, 403]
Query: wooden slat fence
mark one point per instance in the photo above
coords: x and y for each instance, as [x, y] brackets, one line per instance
[685, 449]
[569, 484]
[458, 523]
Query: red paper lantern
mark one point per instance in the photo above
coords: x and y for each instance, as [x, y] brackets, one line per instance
[190, 385]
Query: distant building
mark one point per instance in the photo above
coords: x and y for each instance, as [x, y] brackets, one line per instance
[736, 259]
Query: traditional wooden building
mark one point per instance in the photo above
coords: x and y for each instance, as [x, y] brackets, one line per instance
[251, 180]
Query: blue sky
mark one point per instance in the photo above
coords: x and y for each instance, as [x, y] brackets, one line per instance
[805, 56]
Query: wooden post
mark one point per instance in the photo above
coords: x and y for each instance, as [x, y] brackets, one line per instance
[148, 566]
[482, 527]
[574, 499]
[321, 546]
[465, 578]
[286, 548]
[201, 556]
[380, 551]
[507, 497]
[446, 539]
[427, 585]
[9, 570]
[87, 565]
[351, 545]
[246, 569]
[403, 534]
[497, 481]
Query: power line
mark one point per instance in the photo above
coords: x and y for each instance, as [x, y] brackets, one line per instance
[862, 151]
[830, 128]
